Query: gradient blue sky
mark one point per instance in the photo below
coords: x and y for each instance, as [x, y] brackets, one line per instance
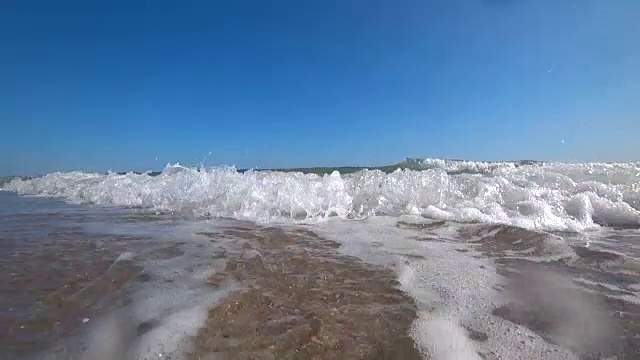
[122, 85]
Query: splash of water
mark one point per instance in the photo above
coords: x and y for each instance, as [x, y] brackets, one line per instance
[552, 196]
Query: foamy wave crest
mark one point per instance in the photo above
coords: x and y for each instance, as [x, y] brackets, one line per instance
[461, 166]
[552, 197]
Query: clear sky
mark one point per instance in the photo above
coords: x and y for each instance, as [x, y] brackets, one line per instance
[133, 85]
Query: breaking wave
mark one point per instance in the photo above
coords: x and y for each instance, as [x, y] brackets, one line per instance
[539, 196]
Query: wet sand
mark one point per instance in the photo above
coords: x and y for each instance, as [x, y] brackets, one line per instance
[572, 301]
[301, 299]
[583, 299]
[53, 282]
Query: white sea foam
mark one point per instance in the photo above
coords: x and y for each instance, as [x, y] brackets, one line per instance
[452, 290]
[554, 196]
[174, 301]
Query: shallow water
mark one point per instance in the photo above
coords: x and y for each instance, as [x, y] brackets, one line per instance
[67, 270]
[173, 278]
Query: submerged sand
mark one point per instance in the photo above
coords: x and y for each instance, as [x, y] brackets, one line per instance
[300, 298]
[303, 300]
[581, 300]
[51, 290]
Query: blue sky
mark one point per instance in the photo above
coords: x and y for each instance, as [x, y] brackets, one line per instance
[122, 85]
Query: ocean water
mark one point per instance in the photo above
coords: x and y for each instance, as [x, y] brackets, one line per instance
[507, 260]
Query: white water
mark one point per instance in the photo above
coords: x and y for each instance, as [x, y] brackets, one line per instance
[175, 299]
[551, 197]
[452, 289]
